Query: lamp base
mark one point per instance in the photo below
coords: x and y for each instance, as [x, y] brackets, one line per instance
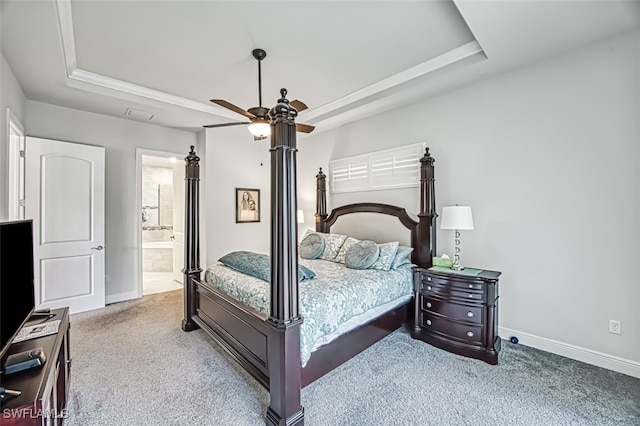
[457, 266]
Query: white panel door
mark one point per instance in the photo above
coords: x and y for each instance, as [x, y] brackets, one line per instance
[65, 199]
[178, 222]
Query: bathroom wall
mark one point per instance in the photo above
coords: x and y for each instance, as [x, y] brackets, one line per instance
[157, 224]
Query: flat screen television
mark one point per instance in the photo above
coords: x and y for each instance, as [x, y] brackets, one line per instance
[17, 294]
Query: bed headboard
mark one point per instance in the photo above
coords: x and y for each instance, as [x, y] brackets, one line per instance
[423, 231]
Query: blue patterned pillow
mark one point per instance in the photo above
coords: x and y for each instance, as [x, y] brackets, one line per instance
[332, 244]
[387, 254]
[362, 255]
[343, 250]
[258, 265]
[311, 246]
[402, 257]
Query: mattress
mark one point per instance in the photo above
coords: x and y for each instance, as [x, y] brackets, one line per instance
[336, 301]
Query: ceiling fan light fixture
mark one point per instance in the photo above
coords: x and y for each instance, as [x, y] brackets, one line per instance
[260, 128]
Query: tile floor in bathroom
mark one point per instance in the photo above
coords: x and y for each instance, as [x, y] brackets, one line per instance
[157, 282]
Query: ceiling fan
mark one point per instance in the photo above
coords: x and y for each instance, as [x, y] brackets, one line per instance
[259, 124]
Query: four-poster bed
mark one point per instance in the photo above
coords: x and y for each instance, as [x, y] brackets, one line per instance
[268, 345]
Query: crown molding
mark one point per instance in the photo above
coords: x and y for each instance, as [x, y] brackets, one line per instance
[444, 60]
[133, 90]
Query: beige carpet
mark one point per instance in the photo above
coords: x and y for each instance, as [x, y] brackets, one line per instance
[133, 365]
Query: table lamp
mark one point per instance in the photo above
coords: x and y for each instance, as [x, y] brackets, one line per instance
[457, 218]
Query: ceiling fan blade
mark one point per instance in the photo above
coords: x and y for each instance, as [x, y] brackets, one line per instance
[304, 128]
[225, 124]
[232, 107]
[298, 105]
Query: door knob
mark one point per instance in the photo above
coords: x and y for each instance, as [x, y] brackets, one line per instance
[97, 248]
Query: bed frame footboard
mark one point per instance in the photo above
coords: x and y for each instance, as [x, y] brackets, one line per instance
[243, 333]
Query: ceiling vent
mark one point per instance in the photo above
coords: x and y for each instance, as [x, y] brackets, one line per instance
[138, 114]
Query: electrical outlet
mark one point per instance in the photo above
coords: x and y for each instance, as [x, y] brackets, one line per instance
[615, 327]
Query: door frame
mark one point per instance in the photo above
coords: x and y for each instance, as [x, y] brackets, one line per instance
[15, 191]
[139, 153]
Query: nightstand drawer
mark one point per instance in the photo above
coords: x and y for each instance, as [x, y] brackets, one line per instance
[452, 282]
[472, 314]
[472, 334]
[446, 291]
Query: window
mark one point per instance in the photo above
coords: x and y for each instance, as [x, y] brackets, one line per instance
[390, 168]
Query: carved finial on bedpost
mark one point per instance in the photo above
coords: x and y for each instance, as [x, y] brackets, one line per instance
[192, 164]
[426, 236]
[321, 201]
[191, 238]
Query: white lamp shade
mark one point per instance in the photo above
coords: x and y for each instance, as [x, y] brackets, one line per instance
[456, 217]
[260, 128]
[300, 216]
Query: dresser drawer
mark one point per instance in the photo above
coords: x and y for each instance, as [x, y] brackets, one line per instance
[463, 332]
[472, 314]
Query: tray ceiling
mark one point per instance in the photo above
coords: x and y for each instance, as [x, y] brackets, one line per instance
[343, 59]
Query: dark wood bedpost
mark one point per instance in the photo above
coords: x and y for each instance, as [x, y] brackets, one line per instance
[283, 351]
[191, 239]
[321, 202]
[425, 243]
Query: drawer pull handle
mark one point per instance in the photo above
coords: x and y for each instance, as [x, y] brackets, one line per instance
[428, 304]
[470, 285]
[470, 314]
[470, 333]
[428, 322]
[428, 287]
[428, 278]
[470, 295]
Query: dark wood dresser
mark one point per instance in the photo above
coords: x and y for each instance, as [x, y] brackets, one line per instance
[44, 390]
[458, 311]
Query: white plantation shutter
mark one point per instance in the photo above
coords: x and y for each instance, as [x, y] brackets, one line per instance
[390, 168]
[349, 175]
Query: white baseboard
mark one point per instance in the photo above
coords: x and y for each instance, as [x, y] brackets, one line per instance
[120, 297]
[610, 362]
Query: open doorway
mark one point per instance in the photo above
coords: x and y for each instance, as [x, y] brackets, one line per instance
[161, 195]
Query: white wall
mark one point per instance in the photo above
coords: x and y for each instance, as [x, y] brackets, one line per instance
[12, 97]
[547, 158]
[120, 137]
[232, 161]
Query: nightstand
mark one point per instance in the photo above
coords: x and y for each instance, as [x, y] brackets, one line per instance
[458, 311]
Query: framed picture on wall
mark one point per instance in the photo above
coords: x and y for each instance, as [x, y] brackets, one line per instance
[247, 205]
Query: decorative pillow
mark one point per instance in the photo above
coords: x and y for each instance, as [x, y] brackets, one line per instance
[362, 255]
[343, 250]
[387, 254]
[332, 244]
[402, 257]
[258, 265]
[311, 246]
